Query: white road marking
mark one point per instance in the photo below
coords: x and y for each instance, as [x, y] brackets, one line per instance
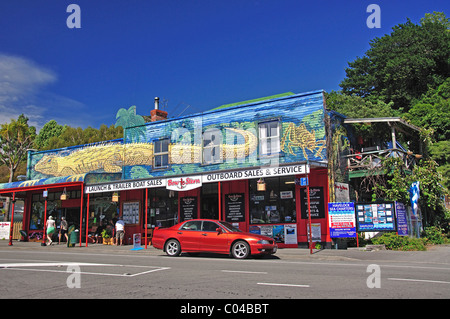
[246, 272]
[282, 285]
[52, 264]
[26, 267]
[420, 280]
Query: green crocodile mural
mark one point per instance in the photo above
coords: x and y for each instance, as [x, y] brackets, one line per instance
[108, 158]
[111, 158]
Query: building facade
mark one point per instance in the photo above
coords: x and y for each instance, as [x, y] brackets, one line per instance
[247, 164]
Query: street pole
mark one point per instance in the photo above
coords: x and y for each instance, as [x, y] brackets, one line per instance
[309, 218]
[87, 219]
[44, 236]
[146, 216]
[11, 227]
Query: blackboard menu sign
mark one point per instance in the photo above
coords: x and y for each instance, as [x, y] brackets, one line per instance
[235, 207]
[316, 201]
[188, 208]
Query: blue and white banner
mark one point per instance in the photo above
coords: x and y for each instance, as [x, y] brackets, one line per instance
[414, 193]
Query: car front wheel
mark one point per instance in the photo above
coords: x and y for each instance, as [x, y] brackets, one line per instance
[173, 248]
[240, 250]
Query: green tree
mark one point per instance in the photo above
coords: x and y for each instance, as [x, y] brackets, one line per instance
[354, 106]
[15, 139]
[402, 65]
[432, 113]
[397, 182]
[432, 110]
[49, 130]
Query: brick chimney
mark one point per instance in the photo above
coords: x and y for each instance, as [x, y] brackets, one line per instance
[156, 114]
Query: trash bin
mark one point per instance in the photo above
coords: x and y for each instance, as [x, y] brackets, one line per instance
[72, 235]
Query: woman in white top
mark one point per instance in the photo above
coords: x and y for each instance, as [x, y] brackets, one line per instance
[51, 227]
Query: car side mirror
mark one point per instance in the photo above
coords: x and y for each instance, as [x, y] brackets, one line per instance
[219, 230]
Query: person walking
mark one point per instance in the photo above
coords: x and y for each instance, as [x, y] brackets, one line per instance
[51, 227]
[63, 226]
[120, 231]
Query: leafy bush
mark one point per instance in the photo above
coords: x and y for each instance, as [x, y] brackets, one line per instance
[393, 241]
[434, 235]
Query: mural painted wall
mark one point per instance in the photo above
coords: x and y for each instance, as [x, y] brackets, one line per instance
[283, 130]
[291, 128]
[103, 157]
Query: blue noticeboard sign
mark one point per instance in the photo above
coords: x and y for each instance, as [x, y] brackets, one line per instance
[402, 220]
[373, 217]
[341, 219]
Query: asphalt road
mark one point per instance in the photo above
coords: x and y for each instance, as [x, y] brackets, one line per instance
[28, 270]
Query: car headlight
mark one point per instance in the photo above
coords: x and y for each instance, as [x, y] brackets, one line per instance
[263, 242]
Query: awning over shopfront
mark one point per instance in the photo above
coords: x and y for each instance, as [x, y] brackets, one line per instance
[57, 182]
[22, 186]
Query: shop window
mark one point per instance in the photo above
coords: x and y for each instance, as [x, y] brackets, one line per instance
[162, 208]
[103, 212]
[274, 205]
[161, 153]
[269, 138]
[211, 147]
[37, 218]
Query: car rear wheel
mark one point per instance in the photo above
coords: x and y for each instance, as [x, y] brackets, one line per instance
[173, 248]
[240, 250]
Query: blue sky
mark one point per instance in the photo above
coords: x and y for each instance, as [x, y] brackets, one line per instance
[196, 54]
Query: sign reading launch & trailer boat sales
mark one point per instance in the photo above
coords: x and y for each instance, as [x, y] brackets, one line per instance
[341, 219]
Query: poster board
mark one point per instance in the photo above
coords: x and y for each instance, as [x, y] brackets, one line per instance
[285, 234]
[290, 234]
[5, 228]
[316, 230]
[136, 242]
[374, 217]
[130, 212]
[401, 215]
[341, 220]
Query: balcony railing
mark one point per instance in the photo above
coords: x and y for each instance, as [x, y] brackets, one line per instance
[372, 159]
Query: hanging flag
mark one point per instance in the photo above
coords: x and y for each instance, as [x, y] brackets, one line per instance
[414, 197]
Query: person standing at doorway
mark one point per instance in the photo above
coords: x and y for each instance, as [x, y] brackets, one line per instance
[120, 231]
[51, 227]
[63, 226]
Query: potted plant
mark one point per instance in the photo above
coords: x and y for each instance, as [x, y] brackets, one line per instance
[106, 235]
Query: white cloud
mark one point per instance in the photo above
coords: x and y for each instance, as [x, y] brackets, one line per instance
[23, 89]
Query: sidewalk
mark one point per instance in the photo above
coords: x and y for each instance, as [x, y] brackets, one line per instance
[435, 254]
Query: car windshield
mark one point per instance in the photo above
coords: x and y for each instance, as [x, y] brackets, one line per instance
[229, 227]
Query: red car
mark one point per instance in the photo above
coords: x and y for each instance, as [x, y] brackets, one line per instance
[207, 235]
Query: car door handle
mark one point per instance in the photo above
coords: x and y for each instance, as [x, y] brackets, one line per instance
[204, 234]
[180, 232]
